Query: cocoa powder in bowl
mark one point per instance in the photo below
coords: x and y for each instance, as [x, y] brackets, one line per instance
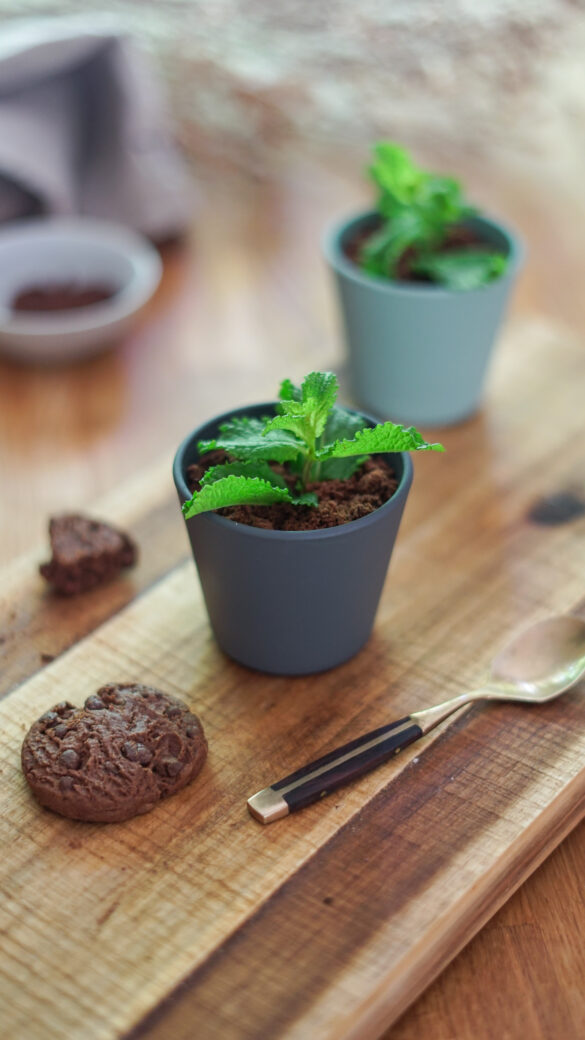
[64, 296]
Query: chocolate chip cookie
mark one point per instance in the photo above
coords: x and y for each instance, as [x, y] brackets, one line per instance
[128, 747]
[85, 553]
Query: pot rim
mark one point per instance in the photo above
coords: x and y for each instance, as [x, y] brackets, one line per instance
[260, 532]
[335, 256]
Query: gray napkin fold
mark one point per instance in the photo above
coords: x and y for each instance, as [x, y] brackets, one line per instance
[84, 129]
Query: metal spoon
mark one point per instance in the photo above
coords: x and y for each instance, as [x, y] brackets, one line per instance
[539, 664]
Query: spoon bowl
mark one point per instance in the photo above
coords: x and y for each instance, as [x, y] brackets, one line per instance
[542, 661]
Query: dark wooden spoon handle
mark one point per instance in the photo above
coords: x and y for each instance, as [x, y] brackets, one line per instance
[326, 774]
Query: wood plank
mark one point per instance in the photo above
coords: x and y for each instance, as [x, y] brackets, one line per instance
[129, 910]
[528, 959]
[325, 942]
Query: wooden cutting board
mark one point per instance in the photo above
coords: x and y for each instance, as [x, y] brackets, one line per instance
[196, 921]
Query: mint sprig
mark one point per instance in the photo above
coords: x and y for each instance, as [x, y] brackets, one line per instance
[233, 490]
[417, 210]
[465, 268]
[256, 468]
[386, 437]
[245, 439]
[315, 437]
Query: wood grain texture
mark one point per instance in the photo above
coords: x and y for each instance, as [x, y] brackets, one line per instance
[246, 303]
[37, 625]
[357, 960]
[415, 856]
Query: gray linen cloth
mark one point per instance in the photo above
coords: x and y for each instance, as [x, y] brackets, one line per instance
[84, 129]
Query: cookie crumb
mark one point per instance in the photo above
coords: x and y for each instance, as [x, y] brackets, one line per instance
[85, 553]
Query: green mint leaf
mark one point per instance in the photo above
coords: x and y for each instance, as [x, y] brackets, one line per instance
[288, 391]
[244, 428]
[307, 498]
[395, 173]
[245, 439]
[204, 446]
[442, 198]
[382, 250]
[386, 437]
[255, 468]
[306, 417]
[234, 491]
[295, 425]
[341, 424]
[339, 469]
[464, 268]
[318, 395]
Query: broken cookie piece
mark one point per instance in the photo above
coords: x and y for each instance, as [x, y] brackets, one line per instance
[129, 747]
[85, 553]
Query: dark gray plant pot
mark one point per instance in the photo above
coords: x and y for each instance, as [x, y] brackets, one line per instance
[291, 602]
[419, 353]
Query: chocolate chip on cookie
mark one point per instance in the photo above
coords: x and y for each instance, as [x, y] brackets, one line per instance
[129, 747]
[85, 553]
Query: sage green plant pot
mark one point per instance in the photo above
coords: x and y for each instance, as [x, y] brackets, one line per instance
[419, 353]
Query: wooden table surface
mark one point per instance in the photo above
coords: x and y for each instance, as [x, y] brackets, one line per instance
[245, 302]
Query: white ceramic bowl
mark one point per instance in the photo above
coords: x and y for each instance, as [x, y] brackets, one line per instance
[84, 251]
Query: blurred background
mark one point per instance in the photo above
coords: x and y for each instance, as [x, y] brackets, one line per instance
[272, 109]
[248, 79]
